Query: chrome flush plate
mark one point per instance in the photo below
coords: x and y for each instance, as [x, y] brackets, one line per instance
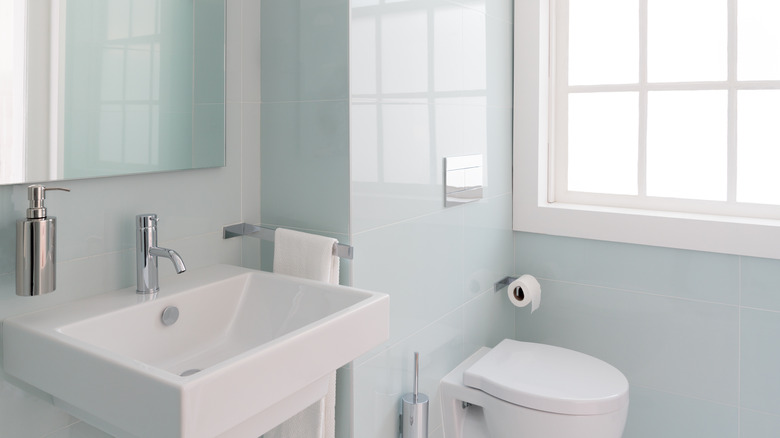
[462, 179]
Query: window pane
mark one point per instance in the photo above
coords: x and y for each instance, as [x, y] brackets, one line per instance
[603, 143]
[758, 147]
[758, 39]
[686, 144]
[687, 40]
[603, 42]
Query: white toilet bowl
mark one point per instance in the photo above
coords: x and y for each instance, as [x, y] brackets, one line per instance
[527, 390]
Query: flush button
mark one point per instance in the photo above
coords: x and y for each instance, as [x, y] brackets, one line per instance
[170, 315]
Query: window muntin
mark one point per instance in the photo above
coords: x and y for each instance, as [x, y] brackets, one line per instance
[668, 115]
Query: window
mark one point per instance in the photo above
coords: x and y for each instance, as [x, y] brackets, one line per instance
[659, 127]
[653, 110]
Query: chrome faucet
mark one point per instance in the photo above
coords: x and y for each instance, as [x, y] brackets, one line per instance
[147, 252]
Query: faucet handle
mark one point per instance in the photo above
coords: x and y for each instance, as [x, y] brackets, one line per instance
[146, 220]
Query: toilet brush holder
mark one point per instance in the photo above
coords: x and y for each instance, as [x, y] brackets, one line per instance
[414, 408]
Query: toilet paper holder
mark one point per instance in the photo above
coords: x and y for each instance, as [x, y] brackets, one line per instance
[504, 282]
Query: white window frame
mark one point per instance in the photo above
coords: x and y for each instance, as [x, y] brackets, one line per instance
[532, 211]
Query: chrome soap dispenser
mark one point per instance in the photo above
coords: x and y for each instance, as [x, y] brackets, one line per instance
[36, 239]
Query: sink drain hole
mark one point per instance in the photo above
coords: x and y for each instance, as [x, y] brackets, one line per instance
[189, 372]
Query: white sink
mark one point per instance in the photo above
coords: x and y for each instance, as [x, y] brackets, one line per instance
[263, 346]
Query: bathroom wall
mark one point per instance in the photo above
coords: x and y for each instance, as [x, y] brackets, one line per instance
[695, 333]
[305, 132]
[428, 79]
[96, 232]
[304, 118]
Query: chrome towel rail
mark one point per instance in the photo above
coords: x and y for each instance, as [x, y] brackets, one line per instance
[267, 233]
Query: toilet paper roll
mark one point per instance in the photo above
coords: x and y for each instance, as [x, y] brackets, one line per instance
[525, 290]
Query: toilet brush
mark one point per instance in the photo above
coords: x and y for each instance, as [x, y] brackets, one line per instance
[414, 408]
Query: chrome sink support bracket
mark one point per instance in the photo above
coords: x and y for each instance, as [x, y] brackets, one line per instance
[266, 233]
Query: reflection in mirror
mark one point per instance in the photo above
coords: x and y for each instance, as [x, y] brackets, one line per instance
[116, 87]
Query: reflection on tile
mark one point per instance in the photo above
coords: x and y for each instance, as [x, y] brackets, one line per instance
[404, 61]
[666, 271]
[661, 343]
[760, 360]
[654, 414]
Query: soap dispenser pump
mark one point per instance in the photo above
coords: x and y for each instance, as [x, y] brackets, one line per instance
[36, 239]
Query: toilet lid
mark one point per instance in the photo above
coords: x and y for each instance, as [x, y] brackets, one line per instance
[548, 378]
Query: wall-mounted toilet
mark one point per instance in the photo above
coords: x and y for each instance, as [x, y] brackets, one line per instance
[527, 390]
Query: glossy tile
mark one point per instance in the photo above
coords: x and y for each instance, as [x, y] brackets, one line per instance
[488, 245]
[754, 424]
[488, 320]
[305, 50]
[26, 415]
[666, 271]
[403, 66]
[251, 50]
[79, 430]
[654, 414]
[233, 50]
[305, 159]
[382, 381]
[760, 359]
[760, 283]
[499, 9]
[666, 344]
[419, 263]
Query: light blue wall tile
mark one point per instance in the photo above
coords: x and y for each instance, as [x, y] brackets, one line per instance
[382, 381]
[654, 414]
[760, 283]
[754, 424]
[79, 430]
[667, 344]
[498, 156]
[305, 49]
[24, 415]
[488, 320]
[760, 360]
[419, 263]
[499, 58]
[666, 271]
[488, 249]
[305, 165]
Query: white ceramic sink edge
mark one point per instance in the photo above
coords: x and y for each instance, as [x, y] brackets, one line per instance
[125, 378]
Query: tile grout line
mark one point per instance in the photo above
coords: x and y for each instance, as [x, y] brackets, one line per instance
[739, 347]
[639, 292]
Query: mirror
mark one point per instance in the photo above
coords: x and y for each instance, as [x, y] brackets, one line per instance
[92, 88]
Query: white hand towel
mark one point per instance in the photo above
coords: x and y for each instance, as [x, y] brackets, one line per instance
[305, 255]
[308, 256]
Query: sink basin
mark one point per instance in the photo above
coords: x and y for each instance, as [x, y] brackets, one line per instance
[249, 349]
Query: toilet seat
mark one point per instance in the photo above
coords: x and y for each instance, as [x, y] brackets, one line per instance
[548, 378]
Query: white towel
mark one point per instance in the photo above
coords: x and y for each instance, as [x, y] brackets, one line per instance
[305, 255]
[308, 256]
